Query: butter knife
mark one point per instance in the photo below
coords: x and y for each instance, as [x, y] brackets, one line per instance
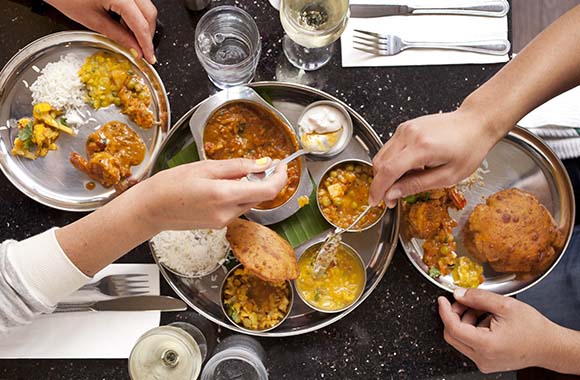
[136, 303]
[494, 8]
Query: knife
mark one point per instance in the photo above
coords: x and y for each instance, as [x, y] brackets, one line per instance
[135, 303]
[494, 8]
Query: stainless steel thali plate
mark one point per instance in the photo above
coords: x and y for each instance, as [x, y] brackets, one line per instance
[52, 180]
[522, 161]
[376, 245]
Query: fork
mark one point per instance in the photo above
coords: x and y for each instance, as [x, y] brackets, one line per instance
[385, 44]
[120, 285]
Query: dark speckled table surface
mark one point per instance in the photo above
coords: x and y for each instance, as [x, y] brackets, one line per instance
[396, 333]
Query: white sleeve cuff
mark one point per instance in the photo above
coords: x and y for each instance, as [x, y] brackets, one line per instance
[44, 268]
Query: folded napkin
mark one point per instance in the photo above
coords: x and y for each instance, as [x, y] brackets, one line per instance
[430, 28]
[85, 335]
[557, 122]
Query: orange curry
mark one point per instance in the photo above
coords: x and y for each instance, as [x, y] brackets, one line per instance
[246, 130]
[111, 151]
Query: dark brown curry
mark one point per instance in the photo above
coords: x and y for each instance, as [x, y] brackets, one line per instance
[246, 130]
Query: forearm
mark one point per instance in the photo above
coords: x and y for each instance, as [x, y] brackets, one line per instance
[548, 66]
[562, 354]
[103, 236]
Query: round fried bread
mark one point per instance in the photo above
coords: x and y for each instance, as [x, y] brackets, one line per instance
[513, 232]
[262, 251]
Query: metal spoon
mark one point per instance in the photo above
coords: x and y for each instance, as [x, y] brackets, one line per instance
[256, 177]
[328, 249]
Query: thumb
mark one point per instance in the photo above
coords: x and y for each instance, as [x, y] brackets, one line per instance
[482, 300]
[419, 181]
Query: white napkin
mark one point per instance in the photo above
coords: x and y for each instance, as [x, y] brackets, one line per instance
[85, 335]
[557, 122]
[431, 28]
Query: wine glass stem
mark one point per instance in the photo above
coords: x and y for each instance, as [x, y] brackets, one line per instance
[308, 59]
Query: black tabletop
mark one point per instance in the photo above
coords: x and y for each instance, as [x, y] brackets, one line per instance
[396, 333]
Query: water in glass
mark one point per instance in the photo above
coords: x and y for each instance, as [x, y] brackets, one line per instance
[227, 43]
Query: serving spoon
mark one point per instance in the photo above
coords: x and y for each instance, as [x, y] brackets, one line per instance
[328, 249]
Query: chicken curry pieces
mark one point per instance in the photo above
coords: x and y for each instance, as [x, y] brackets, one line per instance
[111, 151]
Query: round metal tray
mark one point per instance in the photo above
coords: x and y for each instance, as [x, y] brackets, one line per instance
[52, 180]
[376, 245]
[523, 161]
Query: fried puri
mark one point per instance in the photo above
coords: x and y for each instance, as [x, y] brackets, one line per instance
[262, 251]
[513, 232]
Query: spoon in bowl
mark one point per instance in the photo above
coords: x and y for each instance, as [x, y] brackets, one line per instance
[256, 177]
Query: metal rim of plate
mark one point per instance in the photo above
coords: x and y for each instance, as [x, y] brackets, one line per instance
[380, 241]
[548, 181]
[15, 169]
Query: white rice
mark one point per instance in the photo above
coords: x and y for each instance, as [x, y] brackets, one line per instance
[59, 84]
[192, 253]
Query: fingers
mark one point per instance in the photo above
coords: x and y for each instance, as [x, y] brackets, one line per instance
[471, 316]
[150, 13]
[467, 334]
[101, 22]
[482, 300]
[235, 168]
[389, 171]
[136, 21]
[423, 180]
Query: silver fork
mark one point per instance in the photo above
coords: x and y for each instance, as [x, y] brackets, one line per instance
[386, 44]
[120, 285]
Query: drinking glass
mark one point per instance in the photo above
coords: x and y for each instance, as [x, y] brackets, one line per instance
[175, 352]
[228, 45]
[311, 28]
[237, 357]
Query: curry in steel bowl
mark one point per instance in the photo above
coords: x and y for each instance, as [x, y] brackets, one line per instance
[340, 286]
[254, 304]
[246, 129]
[343, 194]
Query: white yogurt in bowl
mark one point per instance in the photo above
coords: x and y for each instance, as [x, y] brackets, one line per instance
[324, 128]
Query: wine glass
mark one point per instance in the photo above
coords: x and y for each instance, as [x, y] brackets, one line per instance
[311, 28]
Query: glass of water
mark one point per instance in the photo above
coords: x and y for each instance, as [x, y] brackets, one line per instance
[311, 28]
[228, 45]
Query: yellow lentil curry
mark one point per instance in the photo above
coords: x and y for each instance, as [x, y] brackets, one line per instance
[254, 303]
[242, 129]
[338, 287]
[110, 79]
[343, 194]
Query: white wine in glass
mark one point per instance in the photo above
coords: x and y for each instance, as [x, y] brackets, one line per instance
[311, 28]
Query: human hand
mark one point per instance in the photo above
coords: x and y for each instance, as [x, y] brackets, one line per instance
[430, 152]
[207, 194]
[139, 16]
[513, 336]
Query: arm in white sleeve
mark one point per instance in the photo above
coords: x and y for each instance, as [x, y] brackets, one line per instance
[35, 274]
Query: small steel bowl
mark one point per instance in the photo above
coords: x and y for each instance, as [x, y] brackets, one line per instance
[345, 137]
[355, 254]
[204, 113]
[242, 327]
[326, 173]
